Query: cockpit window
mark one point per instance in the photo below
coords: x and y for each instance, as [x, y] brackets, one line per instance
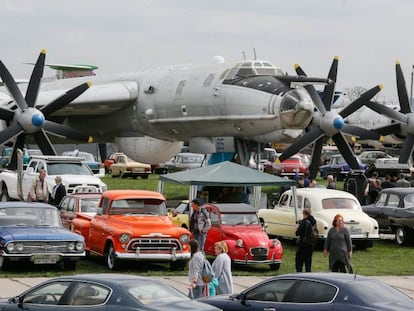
[253, 68]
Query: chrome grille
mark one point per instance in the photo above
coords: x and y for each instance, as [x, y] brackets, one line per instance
[70, 187]
[259, 253]
[44, 247]
[154, 245]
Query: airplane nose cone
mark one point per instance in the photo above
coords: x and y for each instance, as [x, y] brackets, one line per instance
[338, 123]
[38, 120]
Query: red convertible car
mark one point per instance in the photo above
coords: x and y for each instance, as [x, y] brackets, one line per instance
[238, 225]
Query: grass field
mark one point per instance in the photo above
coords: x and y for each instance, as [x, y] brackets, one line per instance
[385, 258]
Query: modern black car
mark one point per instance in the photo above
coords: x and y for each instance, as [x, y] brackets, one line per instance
[394, 211]
[103, 292]
[315, 291]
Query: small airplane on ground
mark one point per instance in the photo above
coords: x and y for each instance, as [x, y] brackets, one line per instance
[149, 114]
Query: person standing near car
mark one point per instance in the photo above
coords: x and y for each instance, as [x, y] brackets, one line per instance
[331, 182]
[195, 269]
[338, 246]
[39, 192]
[200, 223]
[222, 269]
[58, 192]
[304, 248]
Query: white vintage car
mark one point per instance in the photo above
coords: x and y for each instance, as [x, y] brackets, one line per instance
[281, 220]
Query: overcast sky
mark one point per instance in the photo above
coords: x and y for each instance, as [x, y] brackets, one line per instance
[124, 36]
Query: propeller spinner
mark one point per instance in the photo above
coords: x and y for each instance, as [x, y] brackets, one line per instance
[327, 123]
[28, 120]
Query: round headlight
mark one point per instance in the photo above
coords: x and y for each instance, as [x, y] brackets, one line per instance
[19, 247]
[239, 243]
[80, 246]
[71, 246]
[124, 238]
[10, 247]
[276, 242]
[185, 238]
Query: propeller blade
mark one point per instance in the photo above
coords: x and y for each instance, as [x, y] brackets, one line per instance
[18, 144]
[12, 86]
[65, 99]
[402, 90]
[44, 143]
[360, 132]
[65, 132]
[388, 129]
[10, 132]
[390, 113]
[301, 143]
[346, 151]
[407, 149]
[329, 89]
[312, 92]
[35, 78]
[316, 158]
[6, 114]
[360, 101]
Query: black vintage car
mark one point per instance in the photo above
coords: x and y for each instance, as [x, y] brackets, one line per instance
[394, 211]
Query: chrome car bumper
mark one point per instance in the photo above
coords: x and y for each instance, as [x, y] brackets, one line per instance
[160, 257]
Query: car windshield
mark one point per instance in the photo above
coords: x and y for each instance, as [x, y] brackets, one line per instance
[138, 206]
[64, 168]
[376, 292]
[151, 293]
[239, 219]
[87, 156]
[339, 203]
[29, 216]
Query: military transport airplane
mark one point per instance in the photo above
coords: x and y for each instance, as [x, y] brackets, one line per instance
[149, 114]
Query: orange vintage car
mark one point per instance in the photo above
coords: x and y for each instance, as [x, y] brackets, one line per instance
[134, 225]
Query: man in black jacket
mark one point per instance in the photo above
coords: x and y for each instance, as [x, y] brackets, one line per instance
[305, 246]
[58, 192]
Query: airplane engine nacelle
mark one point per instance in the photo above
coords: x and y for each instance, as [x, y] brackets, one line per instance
[147, 149]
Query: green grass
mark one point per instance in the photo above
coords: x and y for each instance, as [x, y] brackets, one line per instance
[385, 258]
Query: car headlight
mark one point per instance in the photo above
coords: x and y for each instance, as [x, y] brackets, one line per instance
[80, 246]
[10, 247]
[239, 243]
[104, 188]
[185, 238]
[124, 238]
[19, 247]
[71, 246]
[274, 242]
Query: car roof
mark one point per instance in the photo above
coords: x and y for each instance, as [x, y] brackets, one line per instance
[323, 192]
[404, 190]
[20, 204]
[105, 278]
[229, 208]
[129, 194]
[330, 277]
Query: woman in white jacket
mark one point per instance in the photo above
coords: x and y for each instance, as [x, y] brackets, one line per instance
[222, 269]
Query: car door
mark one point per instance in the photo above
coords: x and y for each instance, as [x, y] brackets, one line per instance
[376, 210]
[67, 211]
[215, 233]
[389, 210]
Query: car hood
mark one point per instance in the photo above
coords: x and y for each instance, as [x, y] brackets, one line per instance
[142, 224]
[252, 235]
[22, 233]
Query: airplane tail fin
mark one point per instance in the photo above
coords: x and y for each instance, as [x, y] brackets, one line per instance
[65, 71]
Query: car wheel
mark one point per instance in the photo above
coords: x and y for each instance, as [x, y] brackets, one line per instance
[274, 267]
[69, 265]
[111, 260]
[4, 197]
[178, 265]
[401, 236]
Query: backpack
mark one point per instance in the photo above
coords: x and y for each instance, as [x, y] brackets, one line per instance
[207, 274]
[311, 234]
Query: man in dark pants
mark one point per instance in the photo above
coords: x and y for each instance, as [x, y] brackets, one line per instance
[304, 248]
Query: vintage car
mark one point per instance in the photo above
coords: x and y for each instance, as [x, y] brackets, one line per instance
[325, 204]
[338, 167]
[389, 166]
[85, 203]
[368, 157]
[33, 233]
[238, 225]
[125, 167]
[103, 292]
[110, 160]
[134, 225]
[95, 166]
[295, 165]
[180, 214]
[184, 161]
[394, 211]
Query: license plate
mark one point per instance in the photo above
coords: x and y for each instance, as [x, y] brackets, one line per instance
[44, 260]
[355, 230]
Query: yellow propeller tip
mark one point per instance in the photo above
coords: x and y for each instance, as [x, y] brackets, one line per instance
[397, 62]
[296, 66]
[90, 139]
[89, 83]
[353, 138]
[380, 86]
[43, 51]
[336, 57]
[381, 139]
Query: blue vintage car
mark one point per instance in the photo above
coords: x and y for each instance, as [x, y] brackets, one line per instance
[33, 232]
[338, 167]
